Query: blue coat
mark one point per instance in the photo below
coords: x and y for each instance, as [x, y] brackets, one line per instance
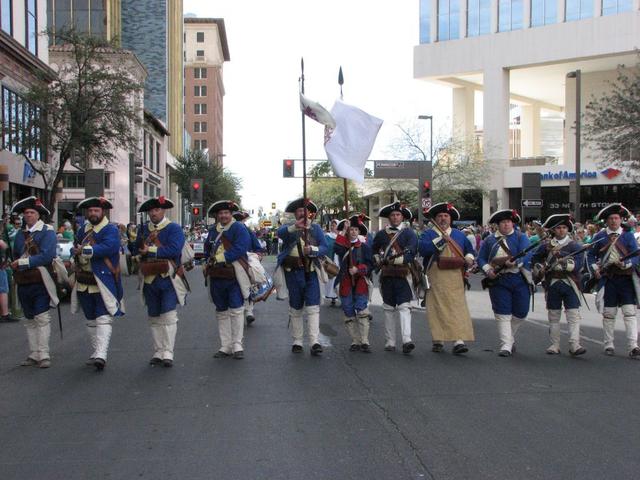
[541, 253]
[107, 245]
[428, 250]
[255, 243]
[237, 237]
[516, 242]
[626, 241]
[362, 256]
[170, 237]
[289, 241]
[407, 242]
[45, 239]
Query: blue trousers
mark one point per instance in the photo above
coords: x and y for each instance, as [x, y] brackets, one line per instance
[302, 290]
[618, 291]
[34, 299]
[351, 304]
[561, 293]
[225, 293]
[395, 291]
[92, 305]
[510, 296]
[160, 296]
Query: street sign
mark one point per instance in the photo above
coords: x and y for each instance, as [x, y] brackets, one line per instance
[529, 203]
[426, 203]
[266, 223]
[396, 169]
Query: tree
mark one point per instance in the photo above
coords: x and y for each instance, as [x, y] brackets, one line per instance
[459, 168]
[218, 183]
[90, 110]
[612, 121]
[327, 191]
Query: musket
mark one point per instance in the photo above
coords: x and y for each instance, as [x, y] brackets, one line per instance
[490, 282]
[593, 281]
[386, 260]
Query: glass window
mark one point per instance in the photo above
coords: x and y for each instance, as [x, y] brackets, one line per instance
[81, 15]
[31, 31]
[510, 14]
[196, 73]
[158, 157]
[578, 9]
[448, 19]
[199, 53]
[196, 90]
[478, 18]
[200, 37]
[144, 148]
[196, 108]
[203, 108]
[98, 18]
[196, 127]
[203, 73]
[150, 152]
[203, 144]
[543, 12]
[6, 16]
[62, 12]
[611, 7]
[21, 132]
[425, 21]
[203, 127]
[203, 91]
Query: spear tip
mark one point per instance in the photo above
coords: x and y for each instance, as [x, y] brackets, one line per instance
[340, 76]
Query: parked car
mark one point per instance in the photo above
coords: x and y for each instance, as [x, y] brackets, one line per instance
[198, 249]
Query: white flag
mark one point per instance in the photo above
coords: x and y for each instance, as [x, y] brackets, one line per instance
[316, 112]
[351, 141]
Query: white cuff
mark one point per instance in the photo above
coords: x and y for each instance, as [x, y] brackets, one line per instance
[486, 267]
[292, 228]
[399, 260]
[470, 256]
[23, 262]
[594, 267]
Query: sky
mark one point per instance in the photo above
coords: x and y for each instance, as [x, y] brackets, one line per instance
[372, 40]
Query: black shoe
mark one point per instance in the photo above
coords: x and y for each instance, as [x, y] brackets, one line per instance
[460, 349]
[167, 362]
[90, 361]
[99, 363]
[578, 351]
[239, 355]
[635, 353]
[407, 347]
[155, 361]
[504, 353]
[390, 348]
[316, 349]
[609, 351]
[365, 348]
[370, 317]
[333, 302]
[354, 347]
[437, 348]
[250, 319]
[221, 354]
[296, 349]
[8, 319]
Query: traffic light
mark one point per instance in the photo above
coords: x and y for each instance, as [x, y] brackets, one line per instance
[196, 191]
[273, 205]
[195, 211]
[426, 189]
[287, 168]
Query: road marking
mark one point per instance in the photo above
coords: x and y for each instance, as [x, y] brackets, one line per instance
[565, 331]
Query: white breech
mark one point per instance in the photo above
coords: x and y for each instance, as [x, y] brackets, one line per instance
[609, 325]
[573, 319]
[554, 330]
[38, 333]
[404, 314]
[329, 289]
[224, 330]
[163, 332]
[296, 325]
[353, 329]
[248, 307]
[364, 322]
[313, 322]
[236, 322]
[100, 334]
[630, 326]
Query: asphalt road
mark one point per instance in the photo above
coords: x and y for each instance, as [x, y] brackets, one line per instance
[345, 415]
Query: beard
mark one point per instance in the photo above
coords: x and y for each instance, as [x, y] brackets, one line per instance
[95, 220]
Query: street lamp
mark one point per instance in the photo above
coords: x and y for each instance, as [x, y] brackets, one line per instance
[577, 75]
[424, 184]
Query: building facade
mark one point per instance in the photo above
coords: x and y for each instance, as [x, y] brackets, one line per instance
[205, 51]
[23, 63]
[507, 63]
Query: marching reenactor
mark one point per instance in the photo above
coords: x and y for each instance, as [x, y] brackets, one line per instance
[356, 264]
[503, 259]
[34, 249]
[612, 259]
[303, 243]
[394, 249]
[558, 263]
[241, 216]
[225, 248]
[447, 253]
[98, 285]
[159, 245]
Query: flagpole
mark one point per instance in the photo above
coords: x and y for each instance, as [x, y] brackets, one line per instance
[304, 157]
[346, 192]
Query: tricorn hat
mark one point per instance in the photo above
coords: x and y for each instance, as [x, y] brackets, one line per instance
[156, 202]
[444, 207]
[222, 205]
[300, 203]
[32, 203]
[94, 202]
[559, 219]
[614, 208]
[395, 207]
[240, 215]
[507, 214]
